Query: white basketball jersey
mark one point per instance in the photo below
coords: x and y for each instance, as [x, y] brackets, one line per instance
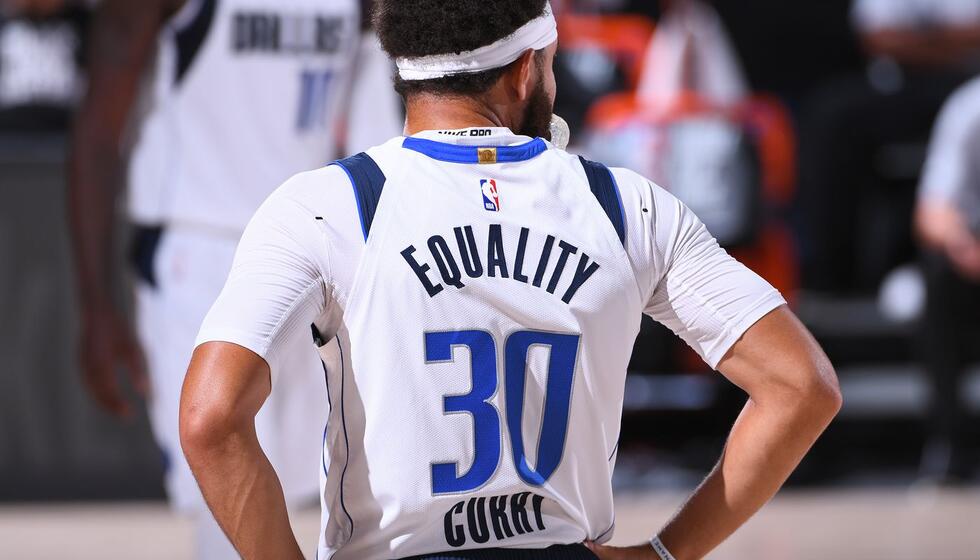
[482, 356]
[476, 296]
[244, 94]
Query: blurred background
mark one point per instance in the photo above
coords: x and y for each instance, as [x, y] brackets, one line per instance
[831, 145]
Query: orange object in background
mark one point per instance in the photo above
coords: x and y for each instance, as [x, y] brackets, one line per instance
[768, 123]
[765, 121]
[773, 253]
[625, 38]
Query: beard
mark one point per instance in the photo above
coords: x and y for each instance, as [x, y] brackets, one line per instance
[537, 118]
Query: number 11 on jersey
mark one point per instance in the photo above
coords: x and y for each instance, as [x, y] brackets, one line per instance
[446, 478]
[314, 89]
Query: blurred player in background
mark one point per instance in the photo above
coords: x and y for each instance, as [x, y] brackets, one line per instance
[919, 52]
[948, 223]
[41, 46]
[476, 293]
[243, 94]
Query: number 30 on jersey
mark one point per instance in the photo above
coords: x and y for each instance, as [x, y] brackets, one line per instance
[446, 478]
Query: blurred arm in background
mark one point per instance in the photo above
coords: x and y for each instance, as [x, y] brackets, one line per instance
[124, 36]
[949, 37]
[948, 210]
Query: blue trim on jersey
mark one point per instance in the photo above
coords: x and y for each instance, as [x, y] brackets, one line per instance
[190, 39]
[455, 153]
[606, 191]
[607, 531]
[343, 419]
[318, 340]
[323, 446]
[615, 449]
[622, 207]
[368, 182]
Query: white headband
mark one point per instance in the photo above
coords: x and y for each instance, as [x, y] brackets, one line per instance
[536, 34]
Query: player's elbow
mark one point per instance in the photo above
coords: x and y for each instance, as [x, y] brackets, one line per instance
[195, 435]
[818, 391]
[224, 389]
[204, 429]
[805, 387]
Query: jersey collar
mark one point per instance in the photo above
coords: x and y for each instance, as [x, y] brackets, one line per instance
[484, 145]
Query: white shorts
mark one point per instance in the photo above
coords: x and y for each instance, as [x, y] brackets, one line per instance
[190, 268]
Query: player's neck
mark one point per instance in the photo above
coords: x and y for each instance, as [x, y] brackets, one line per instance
[427, 112]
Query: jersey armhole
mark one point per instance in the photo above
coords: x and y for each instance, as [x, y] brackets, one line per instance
[604, 187]
[191, 27]
[368, 182]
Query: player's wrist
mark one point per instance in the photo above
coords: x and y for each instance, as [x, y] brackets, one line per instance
[660, 549]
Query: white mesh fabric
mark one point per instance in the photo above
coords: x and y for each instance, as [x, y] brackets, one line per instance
[388, 422]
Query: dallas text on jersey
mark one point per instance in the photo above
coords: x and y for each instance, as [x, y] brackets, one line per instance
[496, 262]
[287, 33]
[504, 512]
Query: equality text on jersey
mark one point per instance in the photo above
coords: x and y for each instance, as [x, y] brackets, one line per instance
[458, 257]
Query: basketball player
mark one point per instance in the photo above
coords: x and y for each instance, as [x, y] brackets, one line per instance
[243, 94]
[475, 293]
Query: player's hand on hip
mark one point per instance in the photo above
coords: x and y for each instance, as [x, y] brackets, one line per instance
[107, 345]
[638, 552]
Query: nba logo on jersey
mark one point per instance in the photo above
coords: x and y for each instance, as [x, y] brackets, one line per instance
[491, 201]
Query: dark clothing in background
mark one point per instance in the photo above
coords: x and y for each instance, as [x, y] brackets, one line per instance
[41, 63]
[785, 47]
[788, 48]
[948, 343]
[861, 153]
[808, 54]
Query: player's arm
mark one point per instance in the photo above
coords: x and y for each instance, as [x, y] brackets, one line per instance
[793, 396]
[950, 178]
[275, 291]
[123, 39]
[225, 386]
[740, 325]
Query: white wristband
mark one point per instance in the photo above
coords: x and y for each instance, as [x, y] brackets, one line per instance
[660, 549]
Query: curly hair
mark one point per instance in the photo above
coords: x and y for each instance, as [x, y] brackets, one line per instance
[416, 28]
